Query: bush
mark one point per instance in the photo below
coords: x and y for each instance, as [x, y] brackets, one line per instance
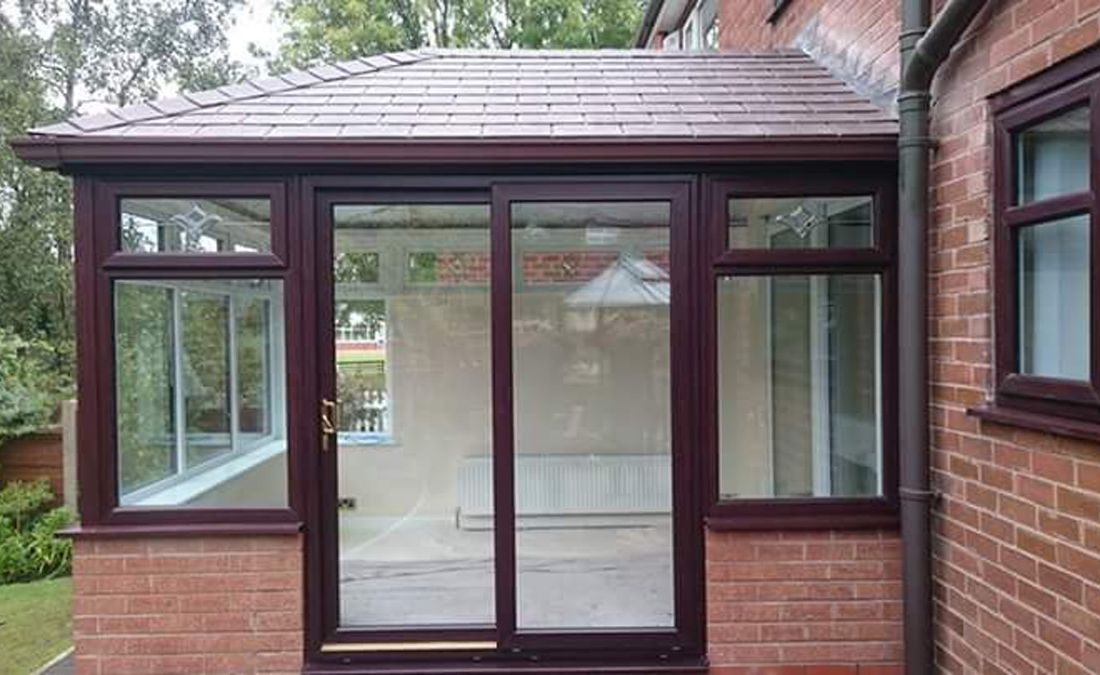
[29, 388]
[29, 546]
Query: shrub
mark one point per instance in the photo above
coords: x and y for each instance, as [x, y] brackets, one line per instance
[29, 546]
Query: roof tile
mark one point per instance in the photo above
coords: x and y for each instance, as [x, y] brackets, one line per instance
[434, 93]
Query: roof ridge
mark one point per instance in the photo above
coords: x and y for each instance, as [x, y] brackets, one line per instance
[187, 102]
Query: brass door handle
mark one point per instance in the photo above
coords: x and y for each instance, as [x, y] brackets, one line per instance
[328, 429]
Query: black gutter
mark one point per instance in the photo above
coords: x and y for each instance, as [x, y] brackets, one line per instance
[924, 48]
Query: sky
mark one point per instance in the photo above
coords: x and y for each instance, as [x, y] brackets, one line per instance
[253, 23]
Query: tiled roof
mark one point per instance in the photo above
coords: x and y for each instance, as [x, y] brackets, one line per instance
[431, 94]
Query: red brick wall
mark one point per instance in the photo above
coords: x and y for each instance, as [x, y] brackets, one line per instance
[856, 39]
[1017, 553]
[804, 602]
[190, 605]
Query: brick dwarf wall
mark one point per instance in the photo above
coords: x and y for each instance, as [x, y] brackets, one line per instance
[222, 604]
[804, 603]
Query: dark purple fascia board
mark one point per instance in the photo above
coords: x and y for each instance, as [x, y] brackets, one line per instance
[68, 152]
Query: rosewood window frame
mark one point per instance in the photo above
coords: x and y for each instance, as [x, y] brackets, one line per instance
[719, 261]
[1046, 403]
[100, 262]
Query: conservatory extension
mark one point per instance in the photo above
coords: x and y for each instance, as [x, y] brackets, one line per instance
[503, 338]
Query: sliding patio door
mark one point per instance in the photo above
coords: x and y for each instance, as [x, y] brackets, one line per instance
[504, 456]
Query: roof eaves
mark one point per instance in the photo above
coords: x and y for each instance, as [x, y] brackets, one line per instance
[189, 102]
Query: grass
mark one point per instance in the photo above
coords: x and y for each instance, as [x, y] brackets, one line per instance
[360, 357]
[35, 624]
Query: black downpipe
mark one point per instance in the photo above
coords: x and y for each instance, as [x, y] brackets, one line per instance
[923, 50]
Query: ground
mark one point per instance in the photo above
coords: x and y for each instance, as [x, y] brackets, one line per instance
[417, 571]
[35, 624]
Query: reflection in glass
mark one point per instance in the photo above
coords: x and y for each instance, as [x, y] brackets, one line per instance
[1053, 302]
[253, 359]
[799, 385]
[199, 396]
[144, 354]
[205, 337]
[592, 415]
[801, 222]
[414, 444]
[195, 225]
[1053, 157]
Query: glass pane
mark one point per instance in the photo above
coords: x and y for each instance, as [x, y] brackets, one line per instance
[200, 398]
[195, 225]
[204, 331]
[144, 352]
[799, 386]
[412, 364]
[593, 435]
[253, 359]
[1053, 303]
[1053, 157]
[801, 222]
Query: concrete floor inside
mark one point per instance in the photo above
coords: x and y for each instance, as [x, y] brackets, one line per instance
[428, 572]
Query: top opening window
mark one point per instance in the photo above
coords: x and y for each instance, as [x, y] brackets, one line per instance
[801, 222]
[1053, 157]
[198, 225]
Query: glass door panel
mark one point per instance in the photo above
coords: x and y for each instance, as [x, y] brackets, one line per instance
[414, 468]
[592, 418]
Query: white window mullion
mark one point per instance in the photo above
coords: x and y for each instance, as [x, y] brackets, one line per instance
[234, 404]
[180, 402]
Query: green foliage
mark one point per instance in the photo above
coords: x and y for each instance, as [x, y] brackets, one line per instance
[143, 342]
[55, 57]
[123, 51]
[29, 546]
[358, 267]
[357, 386]
[331, 30]
[35, 237]
[28, 385]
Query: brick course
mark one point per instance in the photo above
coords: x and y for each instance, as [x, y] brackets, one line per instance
[225, 604]
[804, 602]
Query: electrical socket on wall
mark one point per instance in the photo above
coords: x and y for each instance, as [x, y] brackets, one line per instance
[345, 504]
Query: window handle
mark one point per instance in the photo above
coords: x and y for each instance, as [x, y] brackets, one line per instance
[328, 429]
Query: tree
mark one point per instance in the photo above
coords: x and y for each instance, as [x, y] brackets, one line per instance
[35, 234]
[123, 51]
[57, 56]
[333, 30]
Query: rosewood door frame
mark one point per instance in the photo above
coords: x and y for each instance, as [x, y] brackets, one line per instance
[685, 640]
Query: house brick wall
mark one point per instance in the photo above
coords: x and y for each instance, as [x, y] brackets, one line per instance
[223, 604]
[799, 603]
[1017, 527]
[1017, 550]
[855, 39]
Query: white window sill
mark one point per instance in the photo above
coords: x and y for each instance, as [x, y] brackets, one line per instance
[202, 482]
